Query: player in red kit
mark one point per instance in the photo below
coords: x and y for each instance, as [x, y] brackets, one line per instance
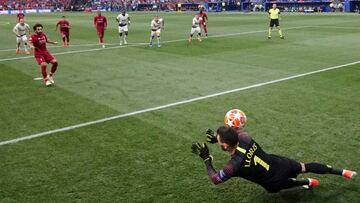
[37, 43]
[204, 18]
[64, 30]
[100, 24]
[20, 15]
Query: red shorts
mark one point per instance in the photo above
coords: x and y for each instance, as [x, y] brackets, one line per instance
[66, 33]
[44, 57]
[100, 31]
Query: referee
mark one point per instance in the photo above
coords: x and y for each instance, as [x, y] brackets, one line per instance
[274, 14]
[249, 161]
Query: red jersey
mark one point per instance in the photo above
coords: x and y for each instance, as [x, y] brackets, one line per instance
[20, 16]
[100, 21]
[203, 16]
[64, 25]
[39, 42]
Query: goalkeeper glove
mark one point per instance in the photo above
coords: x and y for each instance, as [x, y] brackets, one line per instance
[210, 136]
[201, 150]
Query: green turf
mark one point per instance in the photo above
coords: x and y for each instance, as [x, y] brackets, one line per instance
[146, 158]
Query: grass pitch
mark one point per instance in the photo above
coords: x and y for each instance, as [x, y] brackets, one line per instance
[146, 157]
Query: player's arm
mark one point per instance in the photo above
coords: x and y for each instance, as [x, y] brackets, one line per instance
[31, 44]
[216, 177]
[51, 42]
[28, 30]
[15, 31]
[95, 24]
[105, 23]
[129, 21]
[57, 25]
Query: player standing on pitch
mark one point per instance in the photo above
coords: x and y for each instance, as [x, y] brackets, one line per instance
[156, 25]
[100, 24]
[38, 42]
[64, 30]
[195, 27]
[124, 21]
[274, 15]
[250, 162]
[20, 31]
[204, 19]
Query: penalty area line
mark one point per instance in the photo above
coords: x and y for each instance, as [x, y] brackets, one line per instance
[52, 132]
[145, 43]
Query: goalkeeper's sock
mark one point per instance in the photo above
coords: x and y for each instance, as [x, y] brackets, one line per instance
[348, 174]
[327, 169]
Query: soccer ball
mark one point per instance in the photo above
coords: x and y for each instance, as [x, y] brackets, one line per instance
[235, 118]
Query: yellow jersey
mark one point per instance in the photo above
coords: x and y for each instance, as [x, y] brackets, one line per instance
[274, 13]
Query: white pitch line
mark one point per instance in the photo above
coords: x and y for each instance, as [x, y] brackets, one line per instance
[29, 137]
[145, 43]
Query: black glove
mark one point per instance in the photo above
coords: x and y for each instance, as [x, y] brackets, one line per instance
[201, 150]
[211, 138]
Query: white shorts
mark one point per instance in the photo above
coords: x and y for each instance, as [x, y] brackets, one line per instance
[157, 32]
[123, 29]
[193, 30]
[21, 39]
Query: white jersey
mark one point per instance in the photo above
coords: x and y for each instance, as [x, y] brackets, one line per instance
[156, 25]
[123, 20]
[21, 29]
[196, 22]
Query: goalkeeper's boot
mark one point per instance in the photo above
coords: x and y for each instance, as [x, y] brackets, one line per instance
[349, 174]
[269, 37]
[312, 183]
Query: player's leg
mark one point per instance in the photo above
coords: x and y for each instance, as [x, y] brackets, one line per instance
[126, 34]
[326, 169]
[53, 70]
[205, 29]
[120, 35]
[191, 34]
[18, 41]
[152, 35]
[271, 25]
[67, 39]
[63, 37]
[43, 71]
[279, 30]
[102, 32]
[158, 32]
[305, 183]
[198, 30]
[24, 40]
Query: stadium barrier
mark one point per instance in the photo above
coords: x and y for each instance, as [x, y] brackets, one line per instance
[9, 12]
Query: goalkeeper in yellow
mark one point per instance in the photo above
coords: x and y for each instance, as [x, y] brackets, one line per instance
[274, 14]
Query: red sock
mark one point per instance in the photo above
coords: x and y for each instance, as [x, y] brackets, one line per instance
[54, 67]
[43, 71]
